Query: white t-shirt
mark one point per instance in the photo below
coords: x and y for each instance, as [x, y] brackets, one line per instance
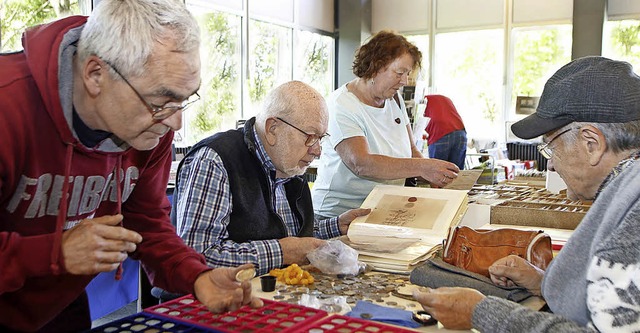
[336, 188]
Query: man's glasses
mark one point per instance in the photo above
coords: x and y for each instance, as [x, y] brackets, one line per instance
[312, 139]
[544, 148]
[159, 112]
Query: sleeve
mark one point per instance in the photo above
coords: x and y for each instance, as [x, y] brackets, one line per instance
[327, 228]
[343, 120]
[499, 315]
[203, 211]
[168, 261]
[612, 293]
[613, 277]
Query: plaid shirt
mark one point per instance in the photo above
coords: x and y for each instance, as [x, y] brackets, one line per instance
[205, 206]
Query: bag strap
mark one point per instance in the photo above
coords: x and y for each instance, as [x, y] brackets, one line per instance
[397, 99]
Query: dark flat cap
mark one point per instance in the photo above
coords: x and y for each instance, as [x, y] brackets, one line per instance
[589, 89]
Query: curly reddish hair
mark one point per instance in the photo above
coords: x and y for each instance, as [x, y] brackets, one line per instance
[380, 50]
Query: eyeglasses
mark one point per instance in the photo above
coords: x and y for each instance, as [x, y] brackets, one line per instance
[544, 148]
[312, 139]
[159, 112]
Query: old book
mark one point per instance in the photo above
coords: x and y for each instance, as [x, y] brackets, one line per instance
[405, 224]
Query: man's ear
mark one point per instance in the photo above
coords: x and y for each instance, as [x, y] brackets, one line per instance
[594, 143]
[93, 72]
[270, 129]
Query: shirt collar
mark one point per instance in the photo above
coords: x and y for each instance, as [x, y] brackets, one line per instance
[265, 160]
[617, 170]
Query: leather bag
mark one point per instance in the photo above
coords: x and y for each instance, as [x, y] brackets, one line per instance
[475, 250]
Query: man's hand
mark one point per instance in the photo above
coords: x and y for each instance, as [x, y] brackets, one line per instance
[295, 249]
[97, 245]
[345, 219]
[452, 307]
[219, 291]
[513, 271]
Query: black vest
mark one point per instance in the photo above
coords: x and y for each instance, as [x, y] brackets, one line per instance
[252, 217]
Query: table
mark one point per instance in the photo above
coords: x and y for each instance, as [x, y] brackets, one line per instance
[398, 297]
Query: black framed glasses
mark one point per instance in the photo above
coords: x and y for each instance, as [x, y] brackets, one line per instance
[312, 139]
[544, 148]
[159, 112]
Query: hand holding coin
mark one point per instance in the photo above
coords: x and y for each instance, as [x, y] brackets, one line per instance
[245, 274]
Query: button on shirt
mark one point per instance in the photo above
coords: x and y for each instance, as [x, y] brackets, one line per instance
[203, 214]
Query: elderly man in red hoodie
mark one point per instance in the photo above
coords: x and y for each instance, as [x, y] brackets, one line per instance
[87, 112]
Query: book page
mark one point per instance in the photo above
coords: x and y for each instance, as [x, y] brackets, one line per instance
[406, 211]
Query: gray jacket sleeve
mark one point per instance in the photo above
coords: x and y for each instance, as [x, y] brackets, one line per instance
[498, 315]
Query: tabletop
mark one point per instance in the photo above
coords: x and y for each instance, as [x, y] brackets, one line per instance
[392, 290]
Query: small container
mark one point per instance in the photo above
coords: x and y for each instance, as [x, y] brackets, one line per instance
[268, 283]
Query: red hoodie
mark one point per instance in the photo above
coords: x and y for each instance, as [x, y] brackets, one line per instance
[39, 151]
[444, 117]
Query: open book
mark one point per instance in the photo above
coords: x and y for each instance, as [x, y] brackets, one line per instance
[405, 226]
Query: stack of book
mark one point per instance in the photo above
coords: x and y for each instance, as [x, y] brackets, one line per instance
[406, 225]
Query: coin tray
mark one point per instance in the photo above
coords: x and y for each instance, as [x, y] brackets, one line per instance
[343, 324]
[272, 317]
[145, 322]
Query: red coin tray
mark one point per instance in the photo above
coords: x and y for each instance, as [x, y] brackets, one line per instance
[343, 324]
[272, 317]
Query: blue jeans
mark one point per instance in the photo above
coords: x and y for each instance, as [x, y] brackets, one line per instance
[451, 147]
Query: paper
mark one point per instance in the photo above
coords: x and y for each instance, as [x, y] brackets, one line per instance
[465, 180]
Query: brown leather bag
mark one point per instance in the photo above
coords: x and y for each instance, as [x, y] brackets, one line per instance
[476, 250]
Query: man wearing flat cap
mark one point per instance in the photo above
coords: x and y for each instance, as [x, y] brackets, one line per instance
[589, 119]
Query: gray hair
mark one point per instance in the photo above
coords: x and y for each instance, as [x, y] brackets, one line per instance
[123, 32]
[285, 99]
[618, 136]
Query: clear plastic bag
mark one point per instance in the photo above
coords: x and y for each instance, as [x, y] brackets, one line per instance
[336, 258]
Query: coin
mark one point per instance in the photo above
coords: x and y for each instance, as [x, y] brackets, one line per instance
[245, 274]
[366, 315]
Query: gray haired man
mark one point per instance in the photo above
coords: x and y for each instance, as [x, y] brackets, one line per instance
[589, 119]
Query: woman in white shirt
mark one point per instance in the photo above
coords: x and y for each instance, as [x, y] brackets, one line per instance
[370, 138]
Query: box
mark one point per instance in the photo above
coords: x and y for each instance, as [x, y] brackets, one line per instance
[538, 214]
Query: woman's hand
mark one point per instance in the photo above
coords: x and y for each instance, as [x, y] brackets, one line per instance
[439, 173]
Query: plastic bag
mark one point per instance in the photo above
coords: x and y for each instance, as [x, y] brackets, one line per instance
[337, 258]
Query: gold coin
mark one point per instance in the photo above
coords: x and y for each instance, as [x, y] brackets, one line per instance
[245, 274]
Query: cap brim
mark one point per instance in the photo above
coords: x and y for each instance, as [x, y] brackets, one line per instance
[534, 126]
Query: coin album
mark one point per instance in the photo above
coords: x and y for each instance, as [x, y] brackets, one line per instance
[186, 314]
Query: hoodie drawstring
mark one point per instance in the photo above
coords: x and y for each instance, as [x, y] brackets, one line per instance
[62, 214]
[119, 199]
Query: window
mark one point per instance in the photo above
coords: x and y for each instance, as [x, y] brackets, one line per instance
[422, 77]
[621, 41]
[469, 70]
[239, 68]
[220, 89]
[269, 62]
[16, 16]
[538, 53]
[313, 60]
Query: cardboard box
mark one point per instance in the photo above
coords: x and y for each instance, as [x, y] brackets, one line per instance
[543, 215]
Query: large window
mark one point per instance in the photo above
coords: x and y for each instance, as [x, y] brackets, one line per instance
[468, 69]
[17, 15]
[269, 62]
[538, 53]
[221, 77]
[422, 77]
[313, 60]
[239, 68]
[621, 41]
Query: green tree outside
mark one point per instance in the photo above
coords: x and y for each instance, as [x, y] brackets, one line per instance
[17, 15]
[220, 77]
